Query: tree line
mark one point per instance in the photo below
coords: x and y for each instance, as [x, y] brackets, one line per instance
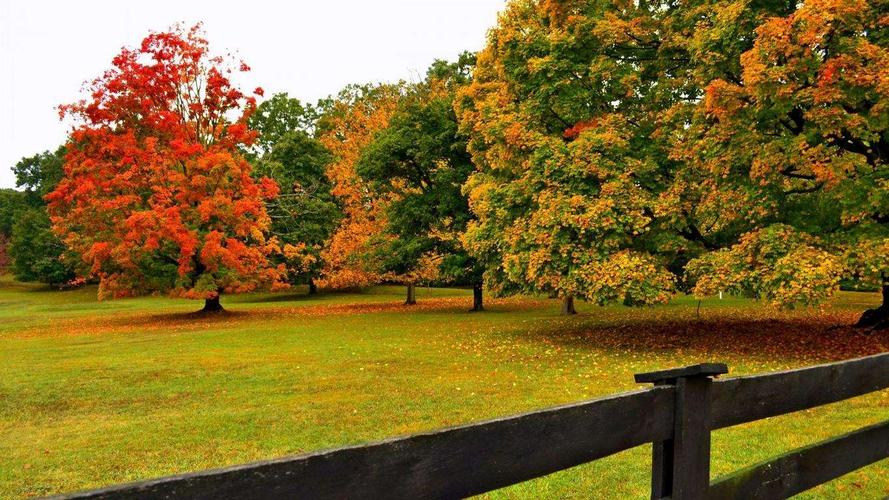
[619, 152]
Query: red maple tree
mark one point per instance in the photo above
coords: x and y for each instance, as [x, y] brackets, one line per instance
[156, 195]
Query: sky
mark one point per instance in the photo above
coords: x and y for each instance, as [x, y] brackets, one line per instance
[309, 49]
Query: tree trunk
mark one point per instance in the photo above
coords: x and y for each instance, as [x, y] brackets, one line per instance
[478, 303]
[313, 288]
[411, 295]
[878, 318]
[212, 305]
[568, 306]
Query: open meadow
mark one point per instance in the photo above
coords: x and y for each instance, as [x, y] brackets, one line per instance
[96, 393]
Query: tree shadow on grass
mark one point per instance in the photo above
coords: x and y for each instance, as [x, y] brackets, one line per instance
[819, 338]
[282, 297]
[184, 318]
[234, 317]
[753, 333]
[295, 297]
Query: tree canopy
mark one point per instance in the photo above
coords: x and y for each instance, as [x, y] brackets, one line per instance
[156, 194]
[619, 152]
[347, 126]
[799, 145]
[420, 162]
[36, 254]
[616, 142]
[279, 116]
[305, 213]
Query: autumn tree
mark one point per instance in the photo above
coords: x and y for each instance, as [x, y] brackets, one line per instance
[156, 195]
[571, 117]
[305, 213]
[625, 146]
[346, 127]
[795, 153]
[420, 163]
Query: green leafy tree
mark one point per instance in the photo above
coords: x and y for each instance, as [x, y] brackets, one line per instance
[36, 252]
[795, 153]
[574, 116]
[39, 175]
[305, 213]
[12, 203]
[278, 117]
[622, 143]
[420, 162]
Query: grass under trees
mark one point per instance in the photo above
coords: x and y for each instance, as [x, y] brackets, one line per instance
[95, 393]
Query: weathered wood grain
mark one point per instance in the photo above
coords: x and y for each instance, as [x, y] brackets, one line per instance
[680, 466]
[745, 399]
[805, 468]
[691, 439]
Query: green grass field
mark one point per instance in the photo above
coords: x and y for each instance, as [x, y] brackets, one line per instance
[96, 393]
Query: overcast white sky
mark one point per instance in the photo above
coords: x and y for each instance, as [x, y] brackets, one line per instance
[309, 49]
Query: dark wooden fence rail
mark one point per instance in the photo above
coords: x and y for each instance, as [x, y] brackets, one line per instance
[677, 415]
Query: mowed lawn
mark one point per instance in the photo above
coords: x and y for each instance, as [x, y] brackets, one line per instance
[96, 393]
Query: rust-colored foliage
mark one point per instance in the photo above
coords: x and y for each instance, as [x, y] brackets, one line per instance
[615, 142]
[156, 195]
[800, 139]
[350, 127]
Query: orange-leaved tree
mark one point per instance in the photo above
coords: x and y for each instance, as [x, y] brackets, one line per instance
[347, 127]
[156, 196]
[796, 152]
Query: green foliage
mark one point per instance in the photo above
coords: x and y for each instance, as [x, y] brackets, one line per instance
[452, 73]
[616, 151]
[305, 213]
[12, 203]
[37, 175]
[419, 162]
[778, 263]
[801, 140]
[658, 132]
[40, 174]
[38, 254]
[279, 116]
[564, 118]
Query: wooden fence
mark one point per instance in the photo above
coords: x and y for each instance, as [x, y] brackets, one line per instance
[677, 415]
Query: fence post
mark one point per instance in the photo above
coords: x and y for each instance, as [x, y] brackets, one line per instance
[680, 467]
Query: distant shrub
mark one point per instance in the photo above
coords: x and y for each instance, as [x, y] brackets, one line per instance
[37, 254]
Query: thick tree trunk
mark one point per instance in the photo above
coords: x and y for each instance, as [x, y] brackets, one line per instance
[568, 306]
[313, 288]
[878, 318]
[212, 305]
[478, 303]
[411, 295]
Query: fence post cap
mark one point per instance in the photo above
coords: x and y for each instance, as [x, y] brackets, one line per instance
[670, 376]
